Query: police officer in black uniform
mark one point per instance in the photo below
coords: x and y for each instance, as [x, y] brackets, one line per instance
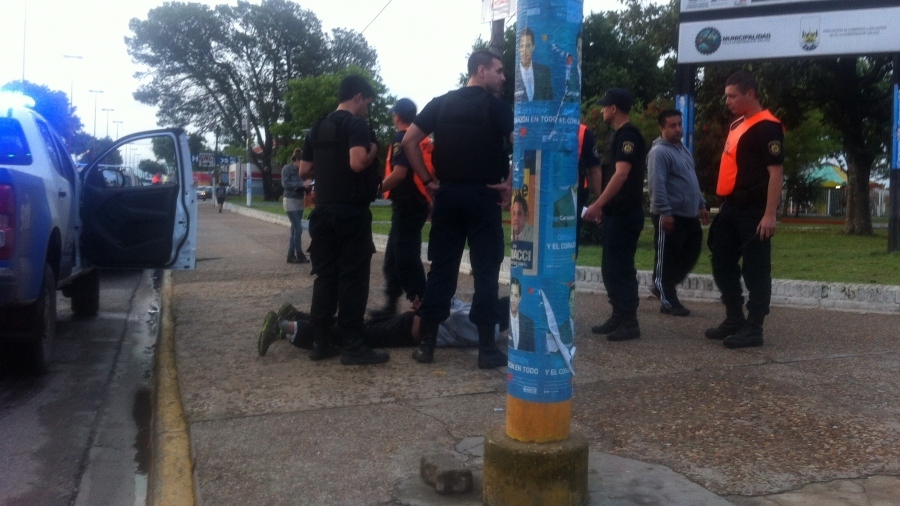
[471, 126]
[751, 174]
[620, 210]
[340, 154]
[403, 271]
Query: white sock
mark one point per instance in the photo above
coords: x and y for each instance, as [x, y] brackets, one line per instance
[286, 328]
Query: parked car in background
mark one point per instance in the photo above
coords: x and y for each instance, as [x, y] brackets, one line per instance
[58, 226]
[204, 192]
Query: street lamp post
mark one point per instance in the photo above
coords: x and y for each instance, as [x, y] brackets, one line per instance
[107, 111]
[117, 122]
[72, 79]
[95, 92]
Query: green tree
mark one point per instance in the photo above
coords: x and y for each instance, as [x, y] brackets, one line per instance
[802, 188]
[230, 64]
[53, 106]
[164, 149]
[309, 98]
[633, 49]
[855, 97]
[852, 96]
[147, 168]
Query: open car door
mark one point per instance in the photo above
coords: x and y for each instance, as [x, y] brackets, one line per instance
[151, 225]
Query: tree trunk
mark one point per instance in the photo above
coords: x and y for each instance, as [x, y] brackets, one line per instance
[859, 217]
[268, 185]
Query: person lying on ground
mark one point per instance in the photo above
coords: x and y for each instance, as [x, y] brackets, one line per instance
[402, 330]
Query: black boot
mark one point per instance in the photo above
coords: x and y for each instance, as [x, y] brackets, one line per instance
[504, 314]
[611, 324]
[489, 356]
[424, 354]
[322, 346]
[389, 309]
[750, 335]
[357, 353]
[627, 330]
[734, 321]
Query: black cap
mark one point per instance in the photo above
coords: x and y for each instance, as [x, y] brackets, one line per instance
[619, 97]
[406, 109]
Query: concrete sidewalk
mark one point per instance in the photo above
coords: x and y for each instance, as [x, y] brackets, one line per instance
[672, 418]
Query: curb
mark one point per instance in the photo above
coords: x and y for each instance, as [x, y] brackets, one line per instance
[171, 478]
[860, 298]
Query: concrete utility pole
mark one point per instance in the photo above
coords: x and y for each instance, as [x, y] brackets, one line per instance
[535, 458]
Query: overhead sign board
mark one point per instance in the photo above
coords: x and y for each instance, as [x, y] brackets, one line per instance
[705, 5]
[492, 10]
[803, 34]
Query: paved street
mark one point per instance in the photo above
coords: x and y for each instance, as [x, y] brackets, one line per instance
[816, 406]
[79, 435]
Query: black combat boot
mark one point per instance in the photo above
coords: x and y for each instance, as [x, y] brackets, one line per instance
[750, 335]
[734, 322]
[504, 314]
[357, 353]
[611, 324]
[424, 354]
[627, 330]
[489, 356]
[322, 346]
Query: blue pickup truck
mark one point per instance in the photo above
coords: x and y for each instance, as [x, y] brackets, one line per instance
[59, 225]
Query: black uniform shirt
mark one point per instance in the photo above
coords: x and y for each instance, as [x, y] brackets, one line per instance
[498, 128]
[625, 145]
[406, 190]
[761, 145]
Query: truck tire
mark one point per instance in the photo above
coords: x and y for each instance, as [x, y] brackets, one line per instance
[41, 316]
[85, 294]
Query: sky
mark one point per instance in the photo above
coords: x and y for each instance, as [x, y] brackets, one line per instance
[421, 44]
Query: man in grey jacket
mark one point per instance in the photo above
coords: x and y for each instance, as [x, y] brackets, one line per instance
[676, 208]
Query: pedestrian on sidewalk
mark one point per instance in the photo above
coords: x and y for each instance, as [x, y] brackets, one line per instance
[221, 195]
[751, 174]
[340, 153]
[410, 204]
[473, 181]
[676, 210]
[294, 203]
[619, 208]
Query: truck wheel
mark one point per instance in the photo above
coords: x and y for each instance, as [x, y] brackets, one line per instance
[41, 316]
[85, 293]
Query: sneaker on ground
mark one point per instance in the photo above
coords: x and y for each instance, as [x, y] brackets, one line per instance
[271, 332]
[675, 310]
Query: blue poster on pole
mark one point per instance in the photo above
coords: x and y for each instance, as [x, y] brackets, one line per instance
[543, 209]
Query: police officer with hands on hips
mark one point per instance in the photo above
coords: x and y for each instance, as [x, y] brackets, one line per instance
[751, 174]
[340, 153]
[472, 182]
[620, 209]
